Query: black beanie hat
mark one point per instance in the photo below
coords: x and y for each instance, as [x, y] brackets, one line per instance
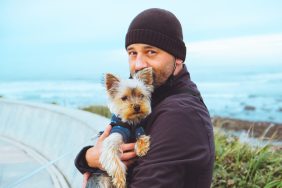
[159, 28]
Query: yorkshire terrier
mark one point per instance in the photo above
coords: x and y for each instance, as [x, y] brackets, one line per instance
[129, 101]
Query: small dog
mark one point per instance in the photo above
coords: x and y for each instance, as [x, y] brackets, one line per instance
[130, 104]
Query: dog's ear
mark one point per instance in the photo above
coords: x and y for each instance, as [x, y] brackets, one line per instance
[111, 83]
[145, 75]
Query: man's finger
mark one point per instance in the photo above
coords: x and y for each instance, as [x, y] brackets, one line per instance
[127, 147]
[86, 176]
[106, 133]
[127, 156]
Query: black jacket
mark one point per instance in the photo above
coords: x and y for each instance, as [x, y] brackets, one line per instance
[182, 145]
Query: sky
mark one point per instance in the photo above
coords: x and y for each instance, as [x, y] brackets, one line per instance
[70, 39]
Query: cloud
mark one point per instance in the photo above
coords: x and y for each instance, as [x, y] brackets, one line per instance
[71, 37]
[249, 48]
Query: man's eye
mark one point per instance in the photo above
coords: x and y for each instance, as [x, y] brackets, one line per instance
[151, 52]
[132, 53]
[124, 98]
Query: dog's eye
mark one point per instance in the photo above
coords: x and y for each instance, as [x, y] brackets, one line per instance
[141, 96]
[124, 98]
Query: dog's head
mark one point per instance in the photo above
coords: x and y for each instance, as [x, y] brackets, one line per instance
[130, 98]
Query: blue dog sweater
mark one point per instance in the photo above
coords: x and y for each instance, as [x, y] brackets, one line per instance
[128, 132]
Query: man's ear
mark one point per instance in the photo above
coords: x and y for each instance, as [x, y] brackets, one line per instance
[178, 61]
[145, 75]
[111, 84]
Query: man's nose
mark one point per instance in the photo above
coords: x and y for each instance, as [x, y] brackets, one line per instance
[140, 63]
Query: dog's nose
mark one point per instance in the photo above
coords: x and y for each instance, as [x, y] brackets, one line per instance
[136, 108]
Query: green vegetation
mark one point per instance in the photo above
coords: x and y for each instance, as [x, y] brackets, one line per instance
[237, 164]
[240, 165]
[101, 110]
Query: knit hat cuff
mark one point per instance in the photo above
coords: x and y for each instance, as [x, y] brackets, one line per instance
[175, 47]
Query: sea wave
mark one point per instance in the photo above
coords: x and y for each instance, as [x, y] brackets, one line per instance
[247, 99]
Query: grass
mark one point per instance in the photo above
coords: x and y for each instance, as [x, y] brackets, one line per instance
[240, 165]
[101, 110]
[237, 165]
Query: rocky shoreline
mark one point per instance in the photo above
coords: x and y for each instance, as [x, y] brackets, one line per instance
[261, 130]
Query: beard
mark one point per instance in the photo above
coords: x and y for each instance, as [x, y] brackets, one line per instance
[160, 76]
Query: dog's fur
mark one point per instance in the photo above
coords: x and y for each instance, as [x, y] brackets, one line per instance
[129, 100]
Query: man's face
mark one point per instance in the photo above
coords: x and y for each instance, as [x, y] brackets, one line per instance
[142, 56]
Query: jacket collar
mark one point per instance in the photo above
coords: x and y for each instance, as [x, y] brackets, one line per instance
[181, 80]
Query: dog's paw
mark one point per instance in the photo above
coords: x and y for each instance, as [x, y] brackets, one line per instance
[142, 145]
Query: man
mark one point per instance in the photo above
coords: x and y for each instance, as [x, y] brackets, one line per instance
[182, 146]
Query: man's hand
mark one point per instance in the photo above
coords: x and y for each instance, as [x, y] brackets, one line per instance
[93, 153]
[128, 154]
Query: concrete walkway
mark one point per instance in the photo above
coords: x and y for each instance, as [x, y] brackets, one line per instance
[15, 164]
[39, 143]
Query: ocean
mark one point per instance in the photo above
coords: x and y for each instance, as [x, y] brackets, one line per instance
[248, 94]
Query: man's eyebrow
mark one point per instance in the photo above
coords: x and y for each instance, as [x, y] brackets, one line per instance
[144, 47]
[149, 47]
[130, 48]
